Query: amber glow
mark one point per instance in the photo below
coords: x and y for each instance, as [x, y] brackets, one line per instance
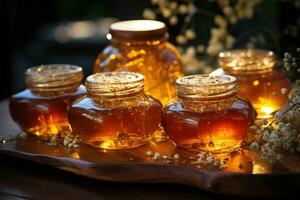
[43, 115]
[156, 59]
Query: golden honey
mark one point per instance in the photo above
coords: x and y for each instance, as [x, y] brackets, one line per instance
[42, 109]
[259, 82]
[141, 46]
[207, 115]
[116, 114]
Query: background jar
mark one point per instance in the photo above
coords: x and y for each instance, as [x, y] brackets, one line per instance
[207, 115]
[116, 114]
[141, 46]
[42, 108]
[259, 82]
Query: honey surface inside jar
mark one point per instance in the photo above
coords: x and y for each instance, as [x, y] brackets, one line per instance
[40, 115]
[211, 129]
[116, 126]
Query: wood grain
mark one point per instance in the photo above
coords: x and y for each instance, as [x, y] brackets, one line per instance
[255, 178]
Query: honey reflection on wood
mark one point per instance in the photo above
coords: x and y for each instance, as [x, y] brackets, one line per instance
[240, 162]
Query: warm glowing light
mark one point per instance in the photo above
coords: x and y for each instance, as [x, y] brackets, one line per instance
[256, 83]
[267, 110]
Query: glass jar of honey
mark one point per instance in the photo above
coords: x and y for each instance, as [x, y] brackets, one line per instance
[141, 46]
[207, 116]
[116, 114]
[259, 82]
[42, 108]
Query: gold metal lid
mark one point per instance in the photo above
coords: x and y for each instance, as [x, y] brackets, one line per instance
[247, 61]
[114, 84]
[206, 87]
[53, 77]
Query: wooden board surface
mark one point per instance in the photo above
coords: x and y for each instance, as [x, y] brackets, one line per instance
[255, 178]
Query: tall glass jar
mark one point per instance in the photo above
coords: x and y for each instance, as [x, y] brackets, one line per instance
[207, 115]
[42, 108]
[259, 82]
[142, 46]
[116, 113]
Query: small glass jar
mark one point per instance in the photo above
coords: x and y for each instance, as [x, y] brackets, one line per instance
[207, 116]
[259, 82]
[42, 108]
[116, 114]
[141, 46]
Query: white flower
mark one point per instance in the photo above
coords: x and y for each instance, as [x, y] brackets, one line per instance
[201, 48]
[149, 14]
[180, 39]
[183, 9]
[190, 34]
[173, 20]
[166, 13]
[220, 21]
[284, 90]
[229, 42]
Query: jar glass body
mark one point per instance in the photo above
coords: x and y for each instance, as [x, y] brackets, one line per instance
[208, 125]
[267, 92]
[116, 123]
[259, 82]
[157, 60]
[41, 114]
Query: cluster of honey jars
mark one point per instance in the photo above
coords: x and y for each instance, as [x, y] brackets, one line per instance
[138, 90]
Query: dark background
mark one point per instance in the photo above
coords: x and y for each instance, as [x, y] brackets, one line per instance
[28, 27]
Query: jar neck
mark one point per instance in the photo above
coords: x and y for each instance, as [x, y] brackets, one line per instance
[98, 97]
[54, 91]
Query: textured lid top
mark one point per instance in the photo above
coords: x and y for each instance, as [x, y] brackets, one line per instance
[247, 60]
[53, 75]
[138, 30]
[114, 83]
[206, 86]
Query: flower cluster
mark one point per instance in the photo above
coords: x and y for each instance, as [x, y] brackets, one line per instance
[232, 14]
[290, 62]
[282, 134]
[220, 37]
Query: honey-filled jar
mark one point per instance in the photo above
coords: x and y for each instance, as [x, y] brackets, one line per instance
[116, 113]
[141, 46]
[207, 115]
[259, 82]
[42, 108]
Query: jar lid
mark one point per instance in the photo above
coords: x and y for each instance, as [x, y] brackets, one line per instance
[52, 77]
[114, 84]
[247, 61]
[206, 86]
[135, 30]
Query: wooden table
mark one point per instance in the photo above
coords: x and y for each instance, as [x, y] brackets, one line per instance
[21, 179]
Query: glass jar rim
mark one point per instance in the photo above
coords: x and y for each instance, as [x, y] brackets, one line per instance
[114, 84]
[247, 61]
[53, 77]
[206, 87]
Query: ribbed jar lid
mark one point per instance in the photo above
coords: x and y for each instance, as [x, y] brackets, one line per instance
[206, 86]
[247, 61]
[114, 84]
[53, 76]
